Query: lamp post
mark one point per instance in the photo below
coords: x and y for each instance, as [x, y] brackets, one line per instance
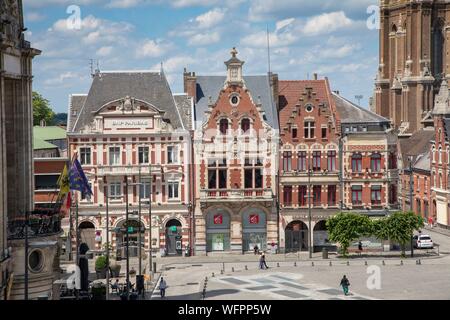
[411, 184]
[107, 240]
[309, 212]
[127, 244]
[150, 267]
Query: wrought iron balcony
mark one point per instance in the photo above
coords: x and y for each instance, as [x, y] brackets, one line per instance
[236, 194]
[41, 223]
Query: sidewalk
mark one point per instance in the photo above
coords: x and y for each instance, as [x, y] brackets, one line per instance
[439, 230]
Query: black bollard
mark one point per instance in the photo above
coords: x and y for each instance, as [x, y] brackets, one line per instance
[295, 264]
[365, 263]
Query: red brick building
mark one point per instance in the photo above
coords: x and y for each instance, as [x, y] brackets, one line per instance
[236, 154]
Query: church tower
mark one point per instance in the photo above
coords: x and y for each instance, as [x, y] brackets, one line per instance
[414, 58]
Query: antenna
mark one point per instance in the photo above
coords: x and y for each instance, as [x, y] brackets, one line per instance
[91, 64]
[98, 66]
[268, 48]
[359, 98]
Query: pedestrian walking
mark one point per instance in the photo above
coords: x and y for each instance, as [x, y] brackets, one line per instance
[261, 261]
[162, 287]
[256, 249]
[345, 284]
[263, 256]
[360, 246]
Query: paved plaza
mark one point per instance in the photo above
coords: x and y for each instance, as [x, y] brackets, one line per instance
[303, 279]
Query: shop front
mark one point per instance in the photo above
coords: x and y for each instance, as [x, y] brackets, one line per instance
[254, 230]
[218, 231]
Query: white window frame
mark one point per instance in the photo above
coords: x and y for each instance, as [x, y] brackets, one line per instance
[115, 196]
[109, 156]
[309, 127]
[148, 154]
[175, 154]
[146, 185]
[90, 155]
[169, 184]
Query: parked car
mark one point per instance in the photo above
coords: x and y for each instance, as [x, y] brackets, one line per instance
[423, 241]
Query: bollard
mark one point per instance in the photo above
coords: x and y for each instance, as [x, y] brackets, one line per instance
[331, 264]
[295, 264]
[278, 264]
[312, 264]
[365, 263]
[232, 269]
[420, 262]
[213, 274]
[348, 263]
[221, 271]
[401, 262]
[384, 263]
[246, 268]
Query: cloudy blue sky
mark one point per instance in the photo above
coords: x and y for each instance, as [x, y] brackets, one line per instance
[327, 37]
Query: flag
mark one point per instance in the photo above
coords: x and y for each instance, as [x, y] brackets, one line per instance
[63, 183]
[78, 180]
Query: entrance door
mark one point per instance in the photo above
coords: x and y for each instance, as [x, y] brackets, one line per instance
[174, 244]
[296, 237]
[87, 234]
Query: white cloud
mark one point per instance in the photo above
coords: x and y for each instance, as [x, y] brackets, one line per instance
[341, 52]
[204, 39]
[261, 10]
[326, 23]
[152, 48]
[104, 51]
[211, 18]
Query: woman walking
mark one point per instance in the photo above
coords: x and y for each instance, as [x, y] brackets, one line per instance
[345, 284]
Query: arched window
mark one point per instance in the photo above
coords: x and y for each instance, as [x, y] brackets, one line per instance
[438, 49]
[245, 125]
[223, 126]
[375, 162]
[433, 154]
[394, 28]
[357, 162]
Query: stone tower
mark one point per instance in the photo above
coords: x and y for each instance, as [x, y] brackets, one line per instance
[414, 58]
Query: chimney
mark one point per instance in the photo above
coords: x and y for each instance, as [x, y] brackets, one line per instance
[315, 76]
[275, 88]
[190, 84]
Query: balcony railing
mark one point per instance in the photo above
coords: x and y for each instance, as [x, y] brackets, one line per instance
[41, 223]
[236, 194]
[120, 170]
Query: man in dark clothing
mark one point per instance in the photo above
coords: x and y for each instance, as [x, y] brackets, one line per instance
[360, 246]
[256, 249]
[345, 284]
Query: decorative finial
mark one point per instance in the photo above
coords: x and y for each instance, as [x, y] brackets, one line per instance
[234, 52]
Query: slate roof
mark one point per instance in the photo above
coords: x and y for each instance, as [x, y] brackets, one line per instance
[149, 86]
[423, 162]
[259, 86]
[76, 102]
[352, 113]
[184, 105]
[417, 144]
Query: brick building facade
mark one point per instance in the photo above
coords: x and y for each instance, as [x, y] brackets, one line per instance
[414, 58]
[236, 154]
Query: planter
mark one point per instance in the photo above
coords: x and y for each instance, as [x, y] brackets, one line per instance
[99, 292]
[115, 270]
[101, 274]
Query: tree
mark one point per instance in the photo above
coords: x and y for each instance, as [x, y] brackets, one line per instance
[42, 110]
[400, 227]
[347, 227]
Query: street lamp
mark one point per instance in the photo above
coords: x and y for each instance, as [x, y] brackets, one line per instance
[309, 212]
[411, 184]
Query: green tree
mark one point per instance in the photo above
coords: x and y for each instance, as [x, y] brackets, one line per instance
[347, 227]
[400, 227]
[380, 229]
[42, 110]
